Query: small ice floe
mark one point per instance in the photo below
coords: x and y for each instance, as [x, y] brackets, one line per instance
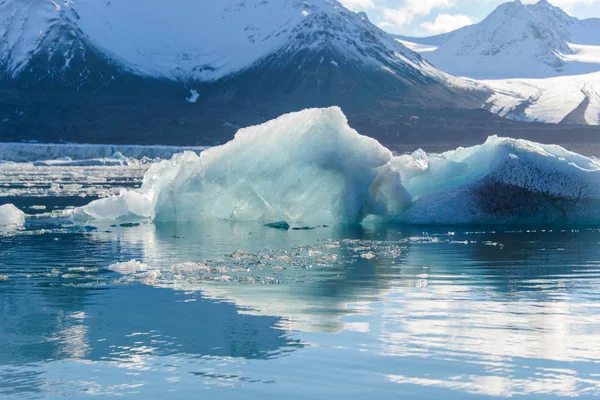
[129, 267]
[367, 256]
[11, 216]
[137, 271]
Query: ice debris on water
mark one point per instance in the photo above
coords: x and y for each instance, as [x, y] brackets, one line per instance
[129, 267]
[11, 216]
[267, 267]
[31, 152]
[270, 267]
[311, 167]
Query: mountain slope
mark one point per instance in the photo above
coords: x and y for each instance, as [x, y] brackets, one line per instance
[540, 63]
[518, 41]
[101, 70]
[189, 41]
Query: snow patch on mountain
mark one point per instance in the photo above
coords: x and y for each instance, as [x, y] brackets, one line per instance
[418, 47]
[551, 100]
[29, 26]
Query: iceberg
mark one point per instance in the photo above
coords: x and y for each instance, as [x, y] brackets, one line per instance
[308, 166]
[502, 181]
[311, 167]
[11, 216]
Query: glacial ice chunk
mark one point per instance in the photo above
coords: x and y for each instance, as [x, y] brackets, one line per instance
[11, 216]
[128, 267]
[311, 167]
[308, 166]
[502, 181]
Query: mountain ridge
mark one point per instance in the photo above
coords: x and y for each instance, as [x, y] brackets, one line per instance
[93, 69]
[539, 63]
[247, 33]
[516, 41]
[101, 71]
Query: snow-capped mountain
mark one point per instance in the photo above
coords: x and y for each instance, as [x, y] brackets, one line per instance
[540, 63]
[517, 41]
[65, 62]
[188, 40]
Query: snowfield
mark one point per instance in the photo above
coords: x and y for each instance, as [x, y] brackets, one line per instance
[550, 100]
[311, 167]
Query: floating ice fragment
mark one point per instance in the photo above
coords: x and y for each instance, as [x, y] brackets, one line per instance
[11, 216]
[129, 267]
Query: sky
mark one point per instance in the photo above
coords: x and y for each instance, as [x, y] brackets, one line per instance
[432, 17]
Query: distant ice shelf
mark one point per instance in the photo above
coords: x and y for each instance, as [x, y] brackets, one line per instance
[73, 154]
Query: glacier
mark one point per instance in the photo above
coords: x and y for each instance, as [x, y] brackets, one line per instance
[11, 216]
[95, 154]
[312, 167]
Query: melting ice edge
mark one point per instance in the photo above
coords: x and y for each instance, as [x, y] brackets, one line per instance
[311, 167]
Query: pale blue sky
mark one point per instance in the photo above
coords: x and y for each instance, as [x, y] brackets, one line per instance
[428, 17]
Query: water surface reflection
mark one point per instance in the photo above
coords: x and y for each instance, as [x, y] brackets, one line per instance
[358, 312]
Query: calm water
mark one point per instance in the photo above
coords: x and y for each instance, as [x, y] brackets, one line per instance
[240, 311]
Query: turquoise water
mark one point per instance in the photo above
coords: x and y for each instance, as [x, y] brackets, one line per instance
[379, 312]
[239, 311]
